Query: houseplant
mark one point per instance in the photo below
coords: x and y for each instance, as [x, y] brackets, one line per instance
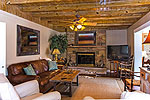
[59, 41]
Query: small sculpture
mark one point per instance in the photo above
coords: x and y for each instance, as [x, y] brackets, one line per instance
[101, 61]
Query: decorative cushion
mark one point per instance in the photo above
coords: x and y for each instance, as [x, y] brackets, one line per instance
[7, 91]
[29, 70]
[52, 65]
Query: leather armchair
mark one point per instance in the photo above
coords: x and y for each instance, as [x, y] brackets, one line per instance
[25, 91]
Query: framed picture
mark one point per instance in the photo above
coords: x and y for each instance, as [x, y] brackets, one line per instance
[28, 41]
[86, 38]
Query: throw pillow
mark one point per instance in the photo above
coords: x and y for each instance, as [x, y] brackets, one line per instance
[29, 70]
[52, 65]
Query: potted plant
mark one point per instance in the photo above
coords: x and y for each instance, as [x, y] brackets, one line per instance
[59, 41]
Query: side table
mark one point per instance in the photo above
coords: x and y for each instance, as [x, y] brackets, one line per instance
[60, 66]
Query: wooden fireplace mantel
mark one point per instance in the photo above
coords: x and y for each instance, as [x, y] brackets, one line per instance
[92, 46]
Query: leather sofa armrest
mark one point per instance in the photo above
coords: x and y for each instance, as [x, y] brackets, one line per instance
[49, 96]
[17, 79]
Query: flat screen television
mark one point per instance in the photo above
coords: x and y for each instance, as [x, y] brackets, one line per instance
[117, 52]
[86, 38]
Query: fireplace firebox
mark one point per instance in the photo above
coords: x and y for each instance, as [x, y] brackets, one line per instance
[85, 59]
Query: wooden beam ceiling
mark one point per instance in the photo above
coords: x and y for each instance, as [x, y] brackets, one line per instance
[61, 13]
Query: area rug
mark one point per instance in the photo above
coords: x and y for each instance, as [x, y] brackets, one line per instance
[98, 88]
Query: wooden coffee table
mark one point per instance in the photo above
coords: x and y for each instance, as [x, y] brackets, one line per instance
[66, 76]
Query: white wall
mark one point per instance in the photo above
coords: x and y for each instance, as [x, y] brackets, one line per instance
[138, 51]
[116, 37]
[11, 24]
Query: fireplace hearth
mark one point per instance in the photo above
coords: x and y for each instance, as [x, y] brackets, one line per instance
[85, 59]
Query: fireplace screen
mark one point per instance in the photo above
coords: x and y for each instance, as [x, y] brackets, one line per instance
[85, 59]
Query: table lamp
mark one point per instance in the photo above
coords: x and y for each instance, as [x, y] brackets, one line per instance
[56, 52]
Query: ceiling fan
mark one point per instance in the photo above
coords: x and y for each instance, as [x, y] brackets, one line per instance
[79, 23]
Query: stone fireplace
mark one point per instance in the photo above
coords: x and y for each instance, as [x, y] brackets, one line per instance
[85, 59]
[74, 51]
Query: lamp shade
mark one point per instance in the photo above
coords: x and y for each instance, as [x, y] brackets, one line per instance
[147, 41]
[56, 51]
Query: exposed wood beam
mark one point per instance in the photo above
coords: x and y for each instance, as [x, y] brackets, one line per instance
[18, 2]
[42, 16]
[21, 2]
[62, 28]
[80, 7]
[114, 18]
[93, 17]
[96, 13]
[99, 22]
[98, 19]
[110, 27]
[99, 25]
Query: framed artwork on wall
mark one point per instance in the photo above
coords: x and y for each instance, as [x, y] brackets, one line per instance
[28, 41]
[86, 38]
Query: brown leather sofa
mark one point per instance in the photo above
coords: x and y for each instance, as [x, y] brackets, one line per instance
[16, 74]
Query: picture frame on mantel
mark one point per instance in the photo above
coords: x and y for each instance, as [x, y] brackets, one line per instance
[28, 41]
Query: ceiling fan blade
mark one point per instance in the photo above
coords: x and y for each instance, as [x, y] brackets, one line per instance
[90, 23]
[82, 20]
[68, 22]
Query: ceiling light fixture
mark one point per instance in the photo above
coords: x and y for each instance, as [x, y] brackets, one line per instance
[78, 23]
[79, 26]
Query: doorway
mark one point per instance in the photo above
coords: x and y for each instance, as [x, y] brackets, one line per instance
[3, 48]
[139, 49]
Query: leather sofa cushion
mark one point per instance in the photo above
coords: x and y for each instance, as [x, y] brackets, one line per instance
[16, 69]
[39, 66]
[45, 76]
[48, 74]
